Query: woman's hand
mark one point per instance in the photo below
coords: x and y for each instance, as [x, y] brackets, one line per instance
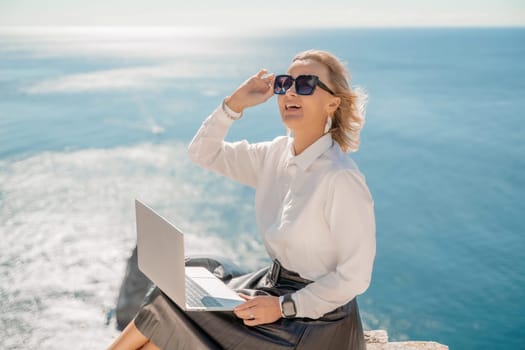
[256, 90]
[258, 310]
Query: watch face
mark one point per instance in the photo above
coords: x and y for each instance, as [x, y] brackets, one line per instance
[288, 308]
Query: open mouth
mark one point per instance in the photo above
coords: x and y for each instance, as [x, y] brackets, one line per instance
[292, 106]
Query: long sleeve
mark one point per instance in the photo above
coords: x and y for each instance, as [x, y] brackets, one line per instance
[239, 161]
[349, 212]
[314, 210]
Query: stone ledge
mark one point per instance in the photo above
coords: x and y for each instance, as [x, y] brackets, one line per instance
[378, 340]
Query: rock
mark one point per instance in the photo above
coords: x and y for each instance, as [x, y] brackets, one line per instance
[376, 336]
[134, 288]
[407, 345]
[378, 340]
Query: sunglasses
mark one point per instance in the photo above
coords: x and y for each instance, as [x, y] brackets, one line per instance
[304, 84]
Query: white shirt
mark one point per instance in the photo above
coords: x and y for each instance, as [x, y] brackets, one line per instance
[314, 210]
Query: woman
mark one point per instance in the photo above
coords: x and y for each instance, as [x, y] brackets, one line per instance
[314, 211]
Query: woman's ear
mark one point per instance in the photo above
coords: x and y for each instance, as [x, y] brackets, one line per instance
[333, 105]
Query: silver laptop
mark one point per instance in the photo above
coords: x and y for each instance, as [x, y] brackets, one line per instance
[161, 258]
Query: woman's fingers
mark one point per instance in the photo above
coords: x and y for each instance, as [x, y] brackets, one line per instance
[246, 310]
[266, 77]
[245, 313]
[257, 89]
[245, 297]
[269, 78]
[250, 302]
[261, 81]
[261, 73]
[263, 85]
[248, 314]
[259, 310]
[252, 322]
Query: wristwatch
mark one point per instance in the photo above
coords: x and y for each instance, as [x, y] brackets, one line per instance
[288, 309]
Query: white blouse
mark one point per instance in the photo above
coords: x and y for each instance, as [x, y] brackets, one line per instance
[314, 210]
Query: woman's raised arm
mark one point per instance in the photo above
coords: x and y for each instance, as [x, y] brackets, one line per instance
[241, 160]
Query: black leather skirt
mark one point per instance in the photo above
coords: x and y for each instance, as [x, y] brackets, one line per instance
[169, 327]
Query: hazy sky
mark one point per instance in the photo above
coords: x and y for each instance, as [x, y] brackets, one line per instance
[263, 13]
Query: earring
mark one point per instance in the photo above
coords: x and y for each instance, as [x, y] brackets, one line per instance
[328, 125]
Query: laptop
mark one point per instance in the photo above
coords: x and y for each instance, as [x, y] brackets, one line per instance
[161, 258]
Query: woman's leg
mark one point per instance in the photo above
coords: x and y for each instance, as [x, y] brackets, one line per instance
[150, 346]
[129, 339]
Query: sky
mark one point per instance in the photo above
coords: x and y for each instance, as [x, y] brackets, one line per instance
[240, 14]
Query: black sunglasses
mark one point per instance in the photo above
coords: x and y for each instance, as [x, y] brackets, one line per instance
[304, 84]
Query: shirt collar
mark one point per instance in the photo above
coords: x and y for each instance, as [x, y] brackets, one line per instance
[311, 153]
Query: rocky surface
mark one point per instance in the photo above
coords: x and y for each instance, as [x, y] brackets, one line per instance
[378, 340]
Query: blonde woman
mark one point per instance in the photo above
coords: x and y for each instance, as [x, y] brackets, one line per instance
[314, 212]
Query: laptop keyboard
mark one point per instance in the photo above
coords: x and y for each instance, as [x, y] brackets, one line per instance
[196, 296]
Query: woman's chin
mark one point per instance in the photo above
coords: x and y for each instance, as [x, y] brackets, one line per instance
[291, 120]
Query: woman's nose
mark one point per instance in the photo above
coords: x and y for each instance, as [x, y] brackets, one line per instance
[291, 90]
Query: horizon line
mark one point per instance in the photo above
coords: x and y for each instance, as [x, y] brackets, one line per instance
[256, 28]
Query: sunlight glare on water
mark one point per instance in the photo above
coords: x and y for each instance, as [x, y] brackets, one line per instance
[68, 221]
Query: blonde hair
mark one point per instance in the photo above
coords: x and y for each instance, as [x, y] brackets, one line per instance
[349, 118]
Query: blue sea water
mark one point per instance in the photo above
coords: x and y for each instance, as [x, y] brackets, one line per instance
[91, 118]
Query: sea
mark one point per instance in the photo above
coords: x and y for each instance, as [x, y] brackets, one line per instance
[93, 117]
